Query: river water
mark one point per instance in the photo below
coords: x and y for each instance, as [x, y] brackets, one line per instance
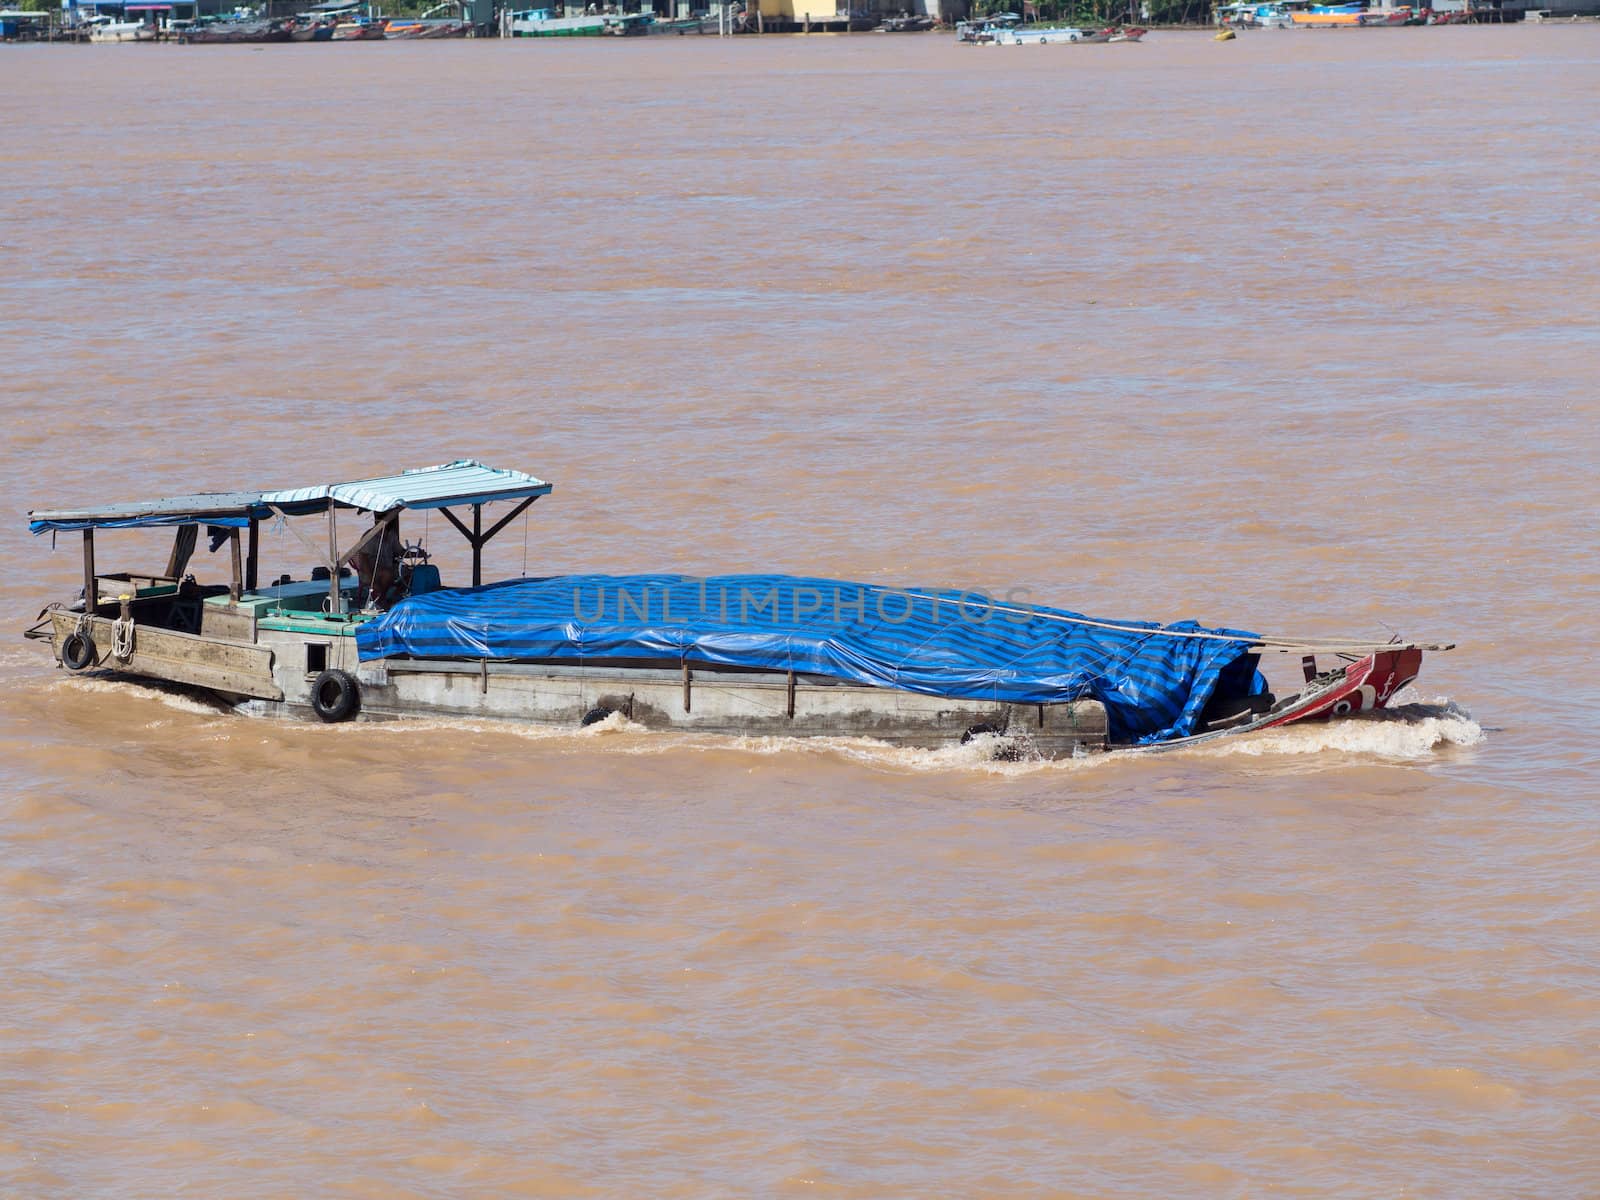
[1294, 333]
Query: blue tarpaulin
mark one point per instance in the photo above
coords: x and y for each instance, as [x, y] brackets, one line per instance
[1153, 680]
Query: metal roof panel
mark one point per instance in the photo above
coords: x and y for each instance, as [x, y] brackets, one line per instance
[465, 481]
[462, 482]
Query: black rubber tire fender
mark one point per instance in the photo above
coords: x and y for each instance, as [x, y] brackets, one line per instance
[78, 652]
[595, 715]
[335, 696]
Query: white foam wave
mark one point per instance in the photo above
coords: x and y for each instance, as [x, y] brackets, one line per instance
[617, 735]
[1408, 731]
[173, 698]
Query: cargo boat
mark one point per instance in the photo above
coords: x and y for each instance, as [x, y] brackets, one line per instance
[371, 632]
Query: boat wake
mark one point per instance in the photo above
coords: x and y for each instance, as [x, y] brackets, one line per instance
[172, 696]
[1406, 732]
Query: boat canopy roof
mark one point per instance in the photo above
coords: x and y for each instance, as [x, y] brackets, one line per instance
[464, 482]
[460, 482]
[212, 508]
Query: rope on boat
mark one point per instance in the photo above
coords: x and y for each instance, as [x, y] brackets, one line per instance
[1282, 644]
[122, 638]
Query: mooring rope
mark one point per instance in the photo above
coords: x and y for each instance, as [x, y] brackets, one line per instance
[1329, 645]
[122, 638]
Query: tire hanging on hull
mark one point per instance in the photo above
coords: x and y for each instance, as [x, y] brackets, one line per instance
[335, 696]
[78, 652]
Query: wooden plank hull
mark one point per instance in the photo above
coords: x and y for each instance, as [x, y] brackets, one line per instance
[701, 699]
[229, 668]
[276, 675]
[1363, 686]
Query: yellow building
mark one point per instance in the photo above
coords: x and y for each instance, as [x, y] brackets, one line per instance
[799, 10]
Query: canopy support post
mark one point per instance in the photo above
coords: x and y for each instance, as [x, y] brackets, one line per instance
[236, 582]
[477, 545]
[90, 599]
[507, 519]
[252, 558]
[477, 537]
[335, 603]
[183, 544]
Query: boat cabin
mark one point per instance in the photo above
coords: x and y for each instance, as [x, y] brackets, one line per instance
[362, 563]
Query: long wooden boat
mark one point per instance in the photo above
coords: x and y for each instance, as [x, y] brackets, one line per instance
[230, 32]
[424, 28]
[1020, 35]
[358, 28]
[311, 29]
[541, 22]
[104, 29]
[370, 632]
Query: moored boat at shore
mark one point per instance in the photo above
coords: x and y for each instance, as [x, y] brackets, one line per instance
[372, 632]
[424, 28]
[310, 29]
[359, 29]
[542, 22]
[1242, 15]
[983, 30]
[1034, 35]
[232, 31]
[105, 29]
[1007, 29]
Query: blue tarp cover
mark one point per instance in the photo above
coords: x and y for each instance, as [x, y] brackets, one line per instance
[938, 642]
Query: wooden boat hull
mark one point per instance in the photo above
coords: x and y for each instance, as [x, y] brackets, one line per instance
[123, 31]
[703, 699]
[271, 671]
[588, 26]
[232, 669]
[748, 654]
[1363, 686]
[227, 33]
[276, 673]
[1026, 36]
